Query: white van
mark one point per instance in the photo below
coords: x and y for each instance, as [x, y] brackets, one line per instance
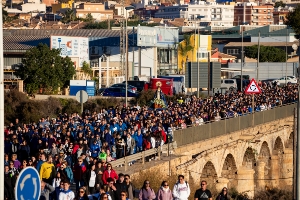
[230, 84]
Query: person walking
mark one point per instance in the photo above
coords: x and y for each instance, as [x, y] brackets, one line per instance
[47, 171]
[203, 193]
[223, 195]
[66, 194]
[46, 190]
[181, 190]
[164, 192]
[147, 193]
[79, 172]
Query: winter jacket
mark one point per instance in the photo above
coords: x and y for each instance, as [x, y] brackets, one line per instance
[46, 192]
[69, 173]
[94, 149]
[164, 194]
[39, 164]
[79, 171]
[181, 191]
[109, 174]
[47, 170]
[147, 194]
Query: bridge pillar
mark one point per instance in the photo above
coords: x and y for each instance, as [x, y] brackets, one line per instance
[287, 168]
[260, 176]
[245, 178]
[222, 182]
[275, 171]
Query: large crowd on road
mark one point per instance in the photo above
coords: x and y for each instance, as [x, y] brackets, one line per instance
[77, 149]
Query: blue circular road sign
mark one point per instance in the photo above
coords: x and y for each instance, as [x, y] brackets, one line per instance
[28, 185]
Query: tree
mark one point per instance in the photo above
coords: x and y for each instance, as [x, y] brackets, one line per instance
[279, 4]
[89, 18]
[4, 15]
[68, 16]
[292, 19]
[86, 69]
[184, 48]
[267, 53]
[45, 68]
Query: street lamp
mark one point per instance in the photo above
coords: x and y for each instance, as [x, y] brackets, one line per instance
[198, 65]
[126, 68]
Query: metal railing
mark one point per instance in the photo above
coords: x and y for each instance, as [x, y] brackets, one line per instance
[228, 125]
[167, 149]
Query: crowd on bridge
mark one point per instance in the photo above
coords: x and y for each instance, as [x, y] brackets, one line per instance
[76, 148]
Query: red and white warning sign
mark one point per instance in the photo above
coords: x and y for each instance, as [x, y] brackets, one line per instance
[253, 88]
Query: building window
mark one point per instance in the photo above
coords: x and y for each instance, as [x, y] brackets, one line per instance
[232, 51]
[202, 54]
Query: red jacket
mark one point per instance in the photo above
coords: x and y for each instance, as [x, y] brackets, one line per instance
[107, 175]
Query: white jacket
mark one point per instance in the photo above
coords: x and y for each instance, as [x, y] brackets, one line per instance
[66, 195]
[181, 191]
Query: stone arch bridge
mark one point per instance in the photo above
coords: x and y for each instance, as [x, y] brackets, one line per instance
[249, 160]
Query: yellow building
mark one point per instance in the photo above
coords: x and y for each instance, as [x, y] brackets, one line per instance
[57, 7]
[198, 43]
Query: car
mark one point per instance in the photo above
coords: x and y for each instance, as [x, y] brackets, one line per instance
[230, 84]
[123, 85]
[100, 91]
[284, 80]
[140, 85]
[247, 77]
[117, 92]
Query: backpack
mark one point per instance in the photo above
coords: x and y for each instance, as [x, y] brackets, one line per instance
[146, 144]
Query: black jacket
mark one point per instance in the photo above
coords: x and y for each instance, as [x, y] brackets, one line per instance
[120, 187]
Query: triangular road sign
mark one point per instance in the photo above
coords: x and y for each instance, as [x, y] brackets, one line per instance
[253, 88]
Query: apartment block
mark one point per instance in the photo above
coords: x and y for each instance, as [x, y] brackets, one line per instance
[253, 14]
[212, 12]
[97, 10]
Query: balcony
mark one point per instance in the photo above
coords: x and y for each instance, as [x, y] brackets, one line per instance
[216, 19]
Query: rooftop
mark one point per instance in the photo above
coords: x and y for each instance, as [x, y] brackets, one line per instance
[246, 44]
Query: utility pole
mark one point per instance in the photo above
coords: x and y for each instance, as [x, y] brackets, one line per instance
[208, 68]
[286, 54]
[242, 58]
[258, 52]
[122, 39]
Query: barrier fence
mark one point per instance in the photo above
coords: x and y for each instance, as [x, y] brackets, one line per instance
[226, 126]
[210, 130]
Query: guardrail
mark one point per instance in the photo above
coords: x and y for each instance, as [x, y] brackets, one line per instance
[167, 148]
[226, 126]
[210, 130]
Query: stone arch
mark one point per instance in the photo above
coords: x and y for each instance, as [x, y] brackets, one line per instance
[229, 171]
[263, 167]
[290, 142]
[249, 159]
[209, 174]
[279, 151]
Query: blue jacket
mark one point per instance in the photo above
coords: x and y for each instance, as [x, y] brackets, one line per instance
[94, 149]
[108, 138]
[139, 140]
[69, 173]
[39, 164]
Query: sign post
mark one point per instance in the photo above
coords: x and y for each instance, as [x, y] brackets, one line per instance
[82, 97]
[253, 88]
[28, 185]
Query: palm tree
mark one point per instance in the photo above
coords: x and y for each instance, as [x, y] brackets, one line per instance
[184, 48]
[69, 16]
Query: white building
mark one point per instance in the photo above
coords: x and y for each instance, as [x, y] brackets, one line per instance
[35, 6]
[216, 14]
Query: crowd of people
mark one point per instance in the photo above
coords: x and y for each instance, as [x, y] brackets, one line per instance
[73, 148]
